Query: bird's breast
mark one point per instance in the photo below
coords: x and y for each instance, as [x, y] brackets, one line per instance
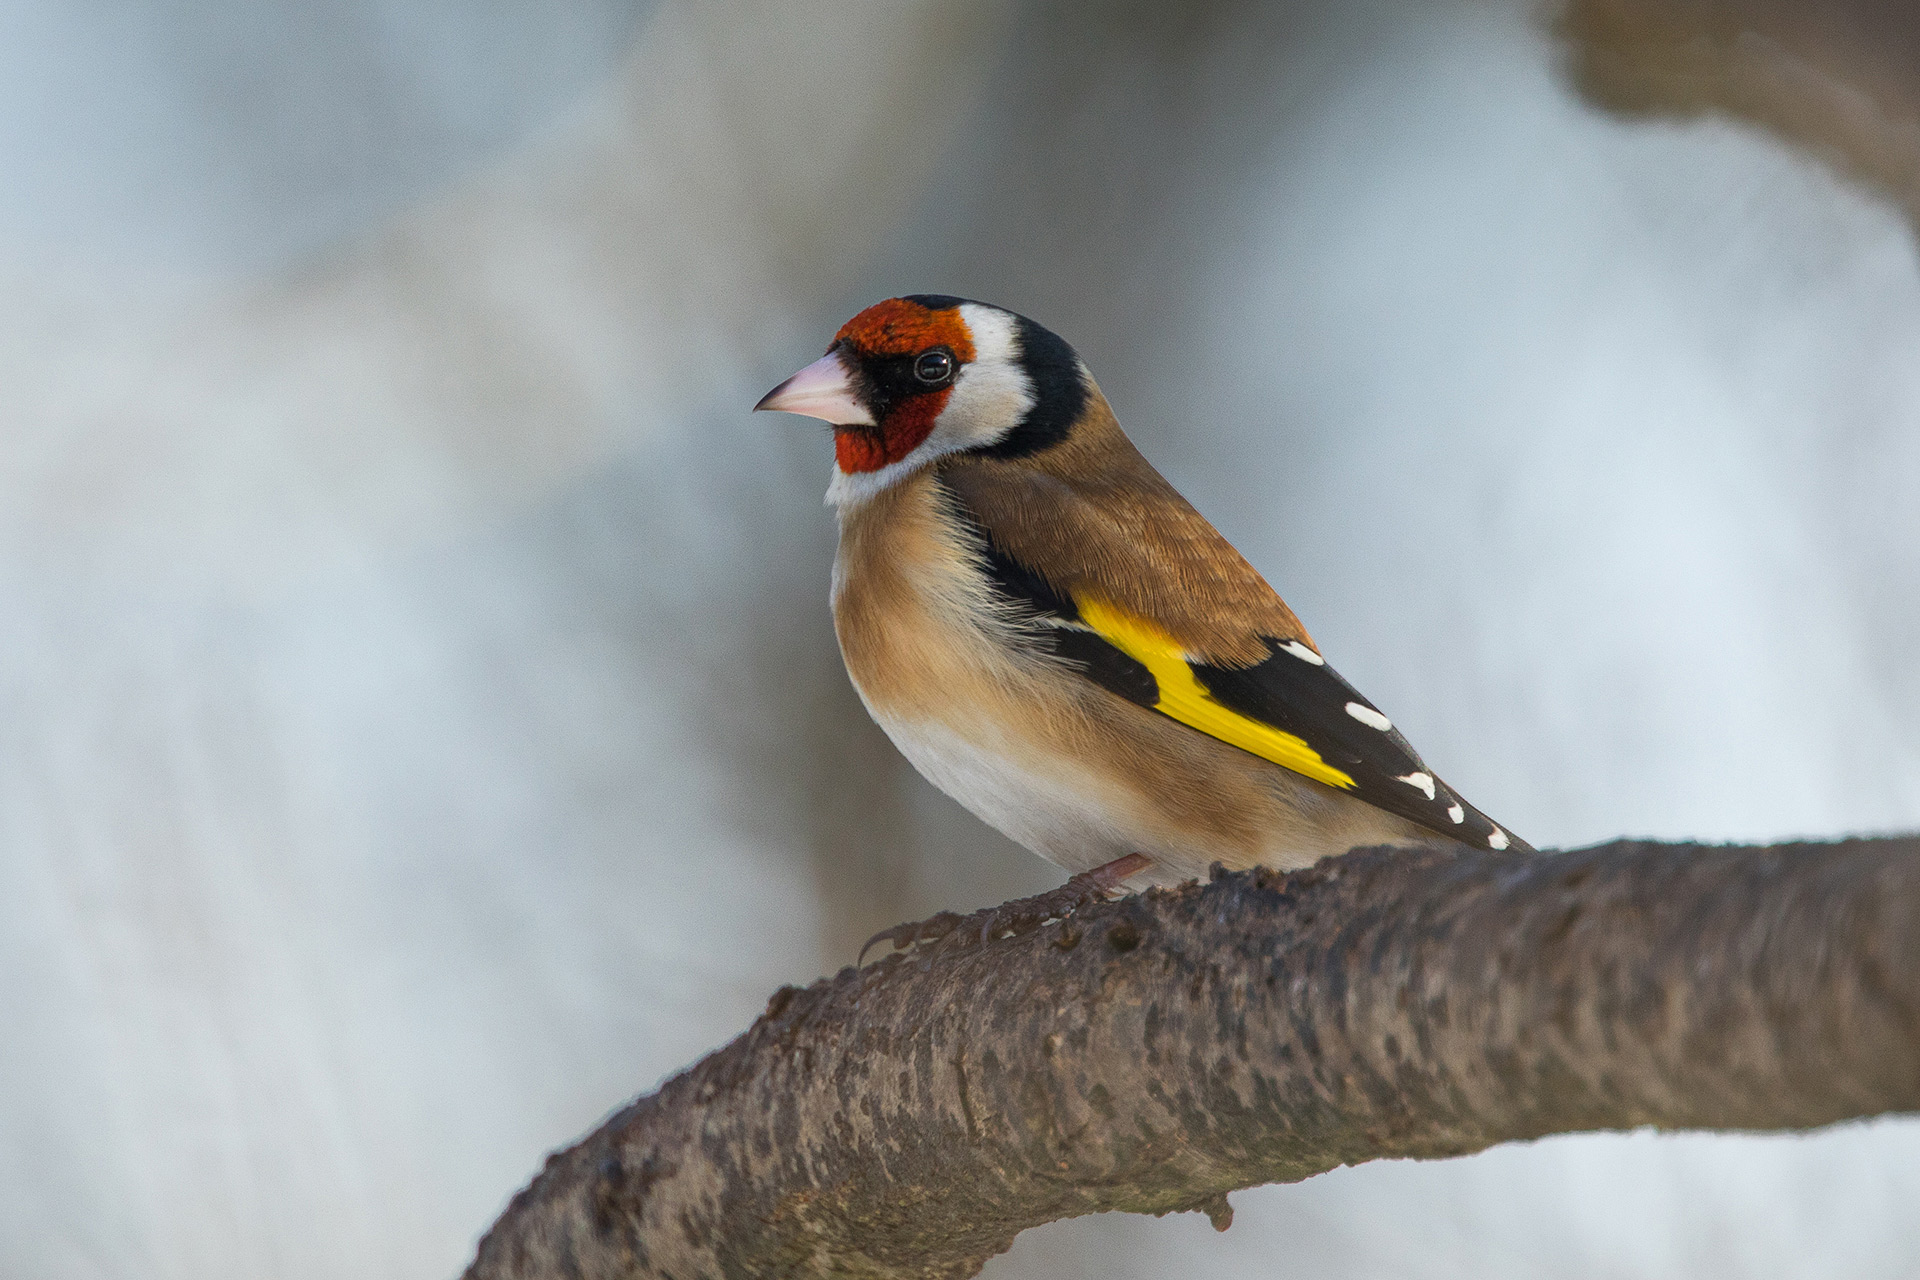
[1047, 757]
[944, 671]
[918, 623]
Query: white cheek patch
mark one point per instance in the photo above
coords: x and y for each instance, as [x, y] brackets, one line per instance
[993, 393]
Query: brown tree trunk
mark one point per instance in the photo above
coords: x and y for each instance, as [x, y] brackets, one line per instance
[1153, 1054]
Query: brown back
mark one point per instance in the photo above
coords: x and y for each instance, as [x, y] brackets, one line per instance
[1092, 515]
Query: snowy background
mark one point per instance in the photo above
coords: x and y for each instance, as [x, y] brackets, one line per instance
[420, 727]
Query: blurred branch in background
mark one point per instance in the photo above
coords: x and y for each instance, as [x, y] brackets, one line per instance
[1837, 78]
[1151, 1055]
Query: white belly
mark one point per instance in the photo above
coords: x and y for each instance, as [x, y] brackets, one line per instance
[1069, 816]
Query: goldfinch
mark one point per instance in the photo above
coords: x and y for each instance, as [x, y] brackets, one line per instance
[1060, 642]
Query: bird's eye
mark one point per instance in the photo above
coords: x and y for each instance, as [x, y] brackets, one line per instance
[933, 367]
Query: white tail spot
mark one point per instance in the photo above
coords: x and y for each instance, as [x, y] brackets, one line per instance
[1424, 781]
[1303, 653]
[1455, 812]
[1498, 840]
[1369, 717]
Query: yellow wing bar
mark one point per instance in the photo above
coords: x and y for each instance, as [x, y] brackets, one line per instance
[1185, 699]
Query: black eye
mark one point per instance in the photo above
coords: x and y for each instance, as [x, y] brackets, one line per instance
[933, 367]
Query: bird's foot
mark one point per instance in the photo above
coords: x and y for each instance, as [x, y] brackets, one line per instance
[1022, 915]
[906, 936]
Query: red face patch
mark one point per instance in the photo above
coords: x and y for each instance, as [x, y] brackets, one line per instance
[897, 327]
[882, 335]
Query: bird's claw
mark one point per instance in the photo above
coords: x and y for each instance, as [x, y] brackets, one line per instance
[906, 936]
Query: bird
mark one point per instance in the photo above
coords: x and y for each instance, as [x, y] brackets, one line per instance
[1057, 639]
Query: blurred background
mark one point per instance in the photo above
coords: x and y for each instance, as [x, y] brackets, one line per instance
[420, 725]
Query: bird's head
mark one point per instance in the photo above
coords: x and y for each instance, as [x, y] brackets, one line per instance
[912, 379]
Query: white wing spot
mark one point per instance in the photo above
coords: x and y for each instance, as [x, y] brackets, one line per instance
[1303, 653]
[1498, 840]
[1369, 717]
[1424, 781]
[1455, 812]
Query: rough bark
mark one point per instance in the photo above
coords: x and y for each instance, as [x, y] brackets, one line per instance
[1153, 1054]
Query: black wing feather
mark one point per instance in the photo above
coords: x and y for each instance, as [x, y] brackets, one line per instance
[1287, 691]
[1311, 700]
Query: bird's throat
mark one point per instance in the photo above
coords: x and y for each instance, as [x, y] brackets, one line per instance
[899, 433]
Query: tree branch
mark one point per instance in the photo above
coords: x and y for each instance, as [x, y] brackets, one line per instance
[909, 1118]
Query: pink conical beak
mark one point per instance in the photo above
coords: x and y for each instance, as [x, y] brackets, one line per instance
[821, 390]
